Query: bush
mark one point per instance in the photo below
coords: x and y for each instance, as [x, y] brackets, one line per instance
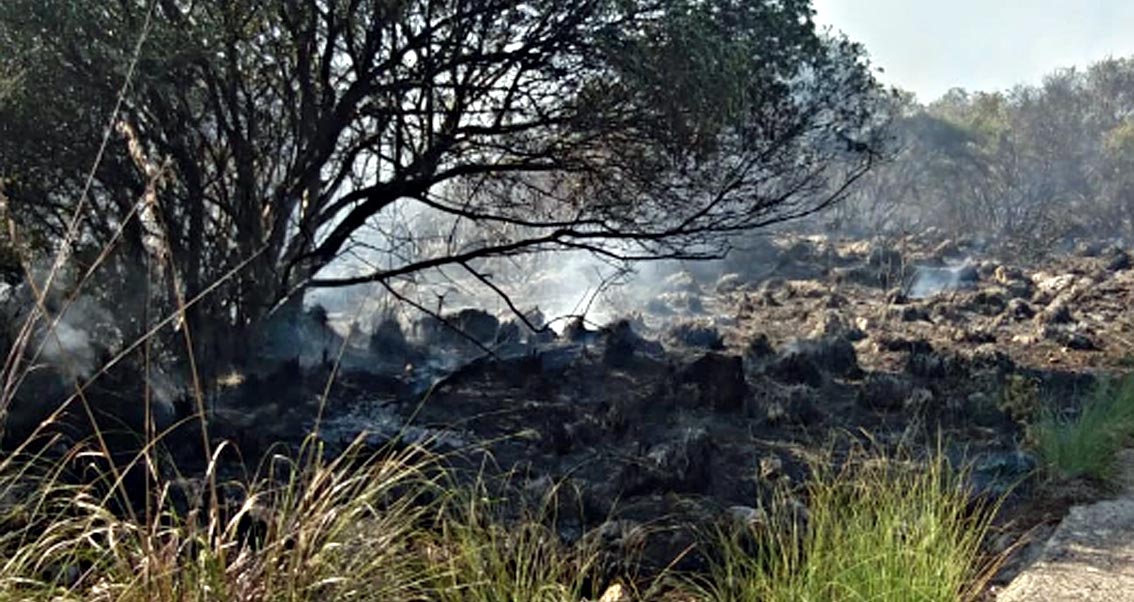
[1085, 444]
[876, 529]
[337, 530]
[384, 528]
[476, 555]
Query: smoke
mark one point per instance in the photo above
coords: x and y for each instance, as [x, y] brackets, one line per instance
[72, 336]
[559, 283]
[68, 349]
[929, 280]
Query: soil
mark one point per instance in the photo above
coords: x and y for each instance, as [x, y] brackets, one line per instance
[726, 382]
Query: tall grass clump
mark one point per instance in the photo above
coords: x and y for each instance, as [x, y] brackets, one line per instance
[874, 529]
[1086, 444]
[336, 530]
[489, 549]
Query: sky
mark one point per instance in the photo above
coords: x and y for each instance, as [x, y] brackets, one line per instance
[930, 46]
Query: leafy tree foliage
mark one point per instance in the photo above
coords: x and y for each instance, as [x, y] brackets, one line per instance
[270, 138]
[1029, 167]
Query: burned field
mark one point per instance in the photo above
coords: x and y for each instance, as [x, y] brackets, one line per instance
[728, 384]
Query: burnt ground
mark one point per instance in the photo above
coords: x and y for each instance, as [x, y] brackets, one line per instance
[725, 385]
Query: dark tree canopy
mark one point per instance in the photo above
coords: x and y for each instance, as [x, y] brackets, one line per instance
[266, 135]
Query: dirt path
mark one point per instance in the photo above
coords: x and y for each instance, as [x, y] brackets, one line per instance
[1089, 557]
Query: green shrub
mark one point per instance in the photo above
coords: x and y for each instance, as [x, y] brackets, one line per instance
[1020, 398]
[477, 556]
[1085, 444]
[875, 530]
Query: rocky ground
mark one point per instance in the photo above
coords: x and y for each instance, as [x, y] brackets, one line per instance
[1090, 556]
[728, 380]
[721, 383]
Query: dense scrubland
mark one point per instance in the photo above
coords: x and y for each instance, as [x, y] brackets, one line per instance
[880, 400]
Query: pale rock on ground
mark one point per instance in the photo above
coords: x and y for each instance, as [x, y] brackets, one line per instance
[1089, 557]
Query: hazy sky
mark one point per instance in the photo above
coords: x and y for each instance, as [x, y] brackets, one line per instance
[929, 46]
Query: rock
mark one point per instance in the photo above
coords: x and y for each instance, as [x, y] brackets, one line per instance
[934, 366]
[883, 391]
[927, 281]
[674, 302]
[576, 331]
[719, 380]
[458, 328]
[682, 281]
[795, 368]
[680, 465]
[1120, 261]
[988, 302]
[995, 474]
[1047, 284]
[509, 333]
[1018, 309]
[945, 250]
[728, 283]
[919, 400]
[770, 467]
[622, 344]
[881, 256]
[758, 352]
[1074, 338]
[1057, 312]
[897, 344]
[910, 313]
[697, 334]
[742, 518]
[388, 341]
[792, 405]
[615, 593]
[832, 324]
[804, 361]
[1088, 557]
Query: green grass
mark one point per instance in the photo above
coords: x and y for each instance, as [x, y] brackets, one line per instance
[876, 530]
[1085, 445]
[396, 528]
[479, 556]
